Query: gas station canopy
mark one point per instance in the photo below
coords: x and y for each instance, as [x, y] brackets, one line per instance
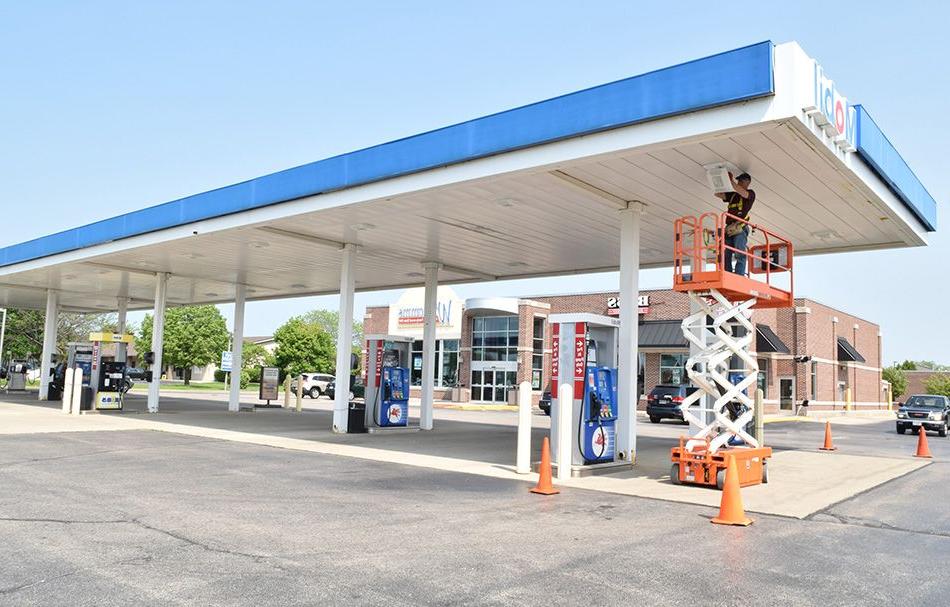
[533, 191]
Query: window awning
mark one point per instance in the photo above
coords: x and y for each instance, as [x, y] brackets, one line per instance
[767, 341]
[847, 352]
[662, 334]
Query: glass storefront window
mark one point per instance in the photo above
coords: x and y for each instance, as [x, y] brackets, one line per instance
[537, 353]
[762, 381]
[671, 368]
[446, 363]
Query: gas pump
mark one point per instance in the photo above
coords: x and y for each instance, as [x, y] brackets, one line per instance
[108, 377]
[79, 356]
[585, 357]
[387, 381]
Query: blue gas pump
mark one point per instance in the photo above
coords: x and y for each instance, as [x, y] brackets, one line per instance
[393, 395]
[598, 420]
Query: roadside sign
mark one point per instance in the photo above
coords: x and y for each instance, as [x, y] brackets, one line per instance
[225, 361]
[270, 377]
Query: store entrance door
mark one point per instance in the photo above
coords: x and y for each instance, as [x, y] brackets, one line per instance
[786, 393]
[490, 385]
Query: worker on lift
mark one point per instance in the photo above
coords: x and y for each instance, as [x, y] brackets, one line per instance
[740, 202]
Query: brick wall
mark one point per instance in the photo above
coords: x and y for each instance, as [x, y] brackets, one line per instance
[376, 320]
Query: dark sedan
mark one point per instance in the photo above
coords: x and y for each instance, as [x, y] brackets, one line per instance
[663, 402]
[357, 388]
[929, 411]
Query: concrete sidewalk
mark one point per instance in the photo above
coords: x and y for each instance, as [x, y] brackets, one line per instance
[802, 482]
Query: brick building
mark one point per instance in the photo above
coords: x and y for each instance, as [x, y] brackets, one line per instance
[810, 352]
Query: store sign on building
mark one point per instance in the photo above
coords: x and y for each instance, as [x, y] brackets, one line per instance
[613, 305]
[407, 315]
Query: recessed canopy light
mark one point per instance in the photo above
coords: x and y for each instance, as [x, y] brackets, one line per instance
[143, 263]
[192, 255]
[69, 276]
[516, 264]
[298, 285]
[415, 274]
[362, 226]
[259, 244]
[507, 202]
[211, 294]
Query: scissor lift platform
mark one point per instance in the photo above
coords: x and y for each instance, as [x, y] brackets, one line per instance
[721, 366]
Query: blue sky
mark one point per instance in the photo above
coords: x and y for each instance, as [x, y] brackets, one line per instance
[109, 107]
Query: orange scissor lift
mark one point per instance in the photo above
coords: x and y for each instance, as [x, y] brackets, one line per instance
[720, 365]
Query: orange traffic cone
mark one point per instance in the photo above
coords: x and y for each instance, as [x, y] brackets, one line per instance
[544, 479]
[923, 449]
[730, 507]
[829, 446]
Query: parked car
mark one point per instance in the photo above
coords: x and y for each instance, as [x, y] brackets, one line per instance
[545, 402]
[357, 388]
[136, 373]
[663, 402]
[314, 384]
[930, 411]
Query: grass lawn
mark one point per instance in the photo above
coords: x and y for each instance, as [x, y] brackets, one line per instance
[211, 386]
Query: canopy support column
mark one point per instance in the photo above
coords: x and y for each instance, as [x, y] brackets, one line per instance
[158, 340]
[121, 348]
[344, 340]
[49, 341]
[428, 344]
[237, 349]
[628, 394]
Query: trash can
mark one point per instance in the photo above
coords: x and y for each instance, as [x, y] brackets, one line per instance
[85, 401]
[356, 420]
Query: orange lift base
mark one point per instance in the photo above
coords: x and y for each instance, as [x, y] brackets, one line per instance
[699, 467]
[735, 288]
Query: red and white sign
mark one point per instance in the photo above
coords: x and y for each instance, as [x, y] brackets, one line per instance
[613, 305]
[580, 358]
[379, 361]
[95, 355]
[555, 356]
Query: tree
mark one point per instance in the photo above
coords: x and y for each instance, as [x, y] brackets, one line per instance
[253, 357]
[303, 346]
[907, 365]
[938, 383]
[895, 375]
[329, 321]
[194, 336]
[24, 333]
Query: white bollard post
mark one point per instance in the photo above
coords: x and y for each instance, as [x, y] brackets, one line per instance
[67, 390]
[287, 391]
[299, 393]
[523, 465]
[565, 415]
[77, 392]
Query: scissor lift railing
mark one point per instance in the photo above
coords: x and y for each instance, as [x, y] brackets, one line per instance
[722, 368]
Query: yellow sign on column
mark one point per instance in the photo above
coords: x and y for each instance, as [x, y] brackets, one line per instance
[111, 338]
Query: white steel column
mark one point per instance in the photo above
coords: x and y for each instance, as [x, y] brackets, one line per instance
[158, 341]
[694, 350]
[344, 340]
[629, 359]
[237, 348]
[121, 348]
[428, 344]
[49, 341]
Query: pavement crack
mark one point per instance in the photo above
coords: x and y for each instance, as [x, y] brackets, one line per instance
[876, 524]
[62, 521]
[258, 558]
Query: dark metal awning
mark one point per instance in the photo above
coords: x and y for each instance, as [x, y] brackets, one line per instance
[767, 341]
[662, 334]
[847, 352]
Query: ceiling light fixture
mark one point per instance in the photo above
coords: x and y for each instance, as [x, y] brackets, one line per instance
[211, 294]
[415, 274]
[258, 244]
[358, 227]
[507, 203]
[516, 264]
[298, 285]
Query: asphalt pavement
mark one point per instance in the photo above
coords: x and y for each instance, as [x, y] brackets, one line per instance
[142, 517]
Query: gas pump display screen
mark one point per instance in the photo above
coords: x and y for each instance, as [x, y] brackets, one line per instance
[391, 358]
